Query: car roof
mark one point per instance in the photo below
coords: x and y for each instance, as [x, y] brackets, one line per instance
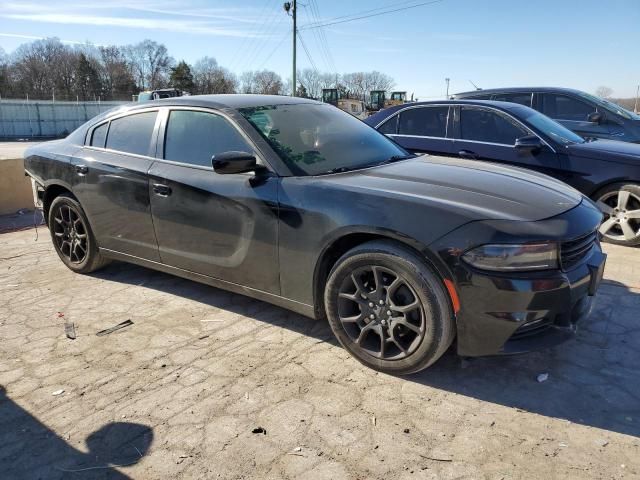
[386, 112]
[233, 101]
[518, 89]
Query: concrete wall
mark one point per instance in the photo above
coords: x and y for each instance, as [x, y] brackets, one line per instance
[15, 188]
[41, 118]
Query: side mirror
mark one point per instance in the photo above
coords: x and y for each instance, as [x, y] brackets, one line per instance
[595, 117]
[234, 162]
[528, 144]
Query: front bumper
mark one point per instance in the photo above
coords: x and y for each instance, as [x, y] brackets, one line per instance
[503, 314]
[516, 312]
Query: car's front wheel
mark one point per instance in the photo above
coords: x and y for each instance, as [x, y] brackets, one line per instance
[388, 308]
[620, 204]
[72, 237]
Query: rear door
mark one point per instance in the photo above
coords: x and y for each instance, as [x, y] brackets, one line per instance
[573, 113]
[488, 134]
[112, 183]
[421, 129]
[222, 226]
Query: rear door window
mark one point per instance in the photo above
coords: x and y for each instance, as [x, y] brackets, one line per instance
[389, 127]
[99, 135]
[521, 98]
[194, 137]
[564, 107]
[484, 125]
[132, 134]
[424, 122]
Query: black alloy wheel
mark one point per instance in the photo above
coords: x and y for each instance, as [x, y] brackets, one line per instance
[388, 308]
[72, 237]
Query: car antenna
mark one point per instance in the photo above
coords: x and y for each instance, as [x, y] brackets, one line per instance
[474, 85]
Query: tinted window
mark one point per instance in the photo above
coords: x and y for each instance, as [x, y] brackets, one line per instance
[563, 107]
[488, 126]
[424, 121]
[389, 127]
[478, 97]
[317, 139]
[521, 98]
[132, 134]
[194, 137]
[99, 135]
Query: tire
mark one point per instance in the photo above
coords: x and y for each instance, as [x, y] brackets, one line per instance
[400, 279]
[620, 203]
[72, 236]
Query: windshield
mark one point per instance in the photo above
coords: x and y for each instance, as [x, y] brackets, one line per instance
[551, 128]
[612, 107]
[317, 139]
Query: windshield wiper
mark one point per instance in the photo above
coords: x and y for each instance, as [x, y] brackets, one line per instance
[397, 158]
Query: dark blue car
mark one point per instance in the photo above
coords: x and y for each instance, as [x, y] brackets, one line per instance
[607, 171]
[581, 112]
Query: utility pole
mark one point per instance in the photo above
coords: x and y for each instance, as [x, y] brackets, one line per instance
[447, 80]
[635, 108]
[290, 7]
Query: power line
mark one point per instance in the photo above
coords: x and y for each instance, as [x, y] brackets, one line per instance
[241, 48]
[335, 21]
[321, 38]
[268, 57]
[306, 51]
[368, 11]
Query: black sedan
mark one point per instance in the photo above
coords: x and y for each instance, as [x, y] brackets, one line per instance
[606, 171]
[297, 203]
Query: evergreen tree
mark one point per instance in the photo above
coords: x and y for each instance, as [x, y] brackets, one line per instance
[181, 77]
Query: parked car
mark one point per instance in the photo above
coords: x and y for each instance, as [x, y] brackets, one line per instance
[298, 203]
[585, 114]
[604, 170]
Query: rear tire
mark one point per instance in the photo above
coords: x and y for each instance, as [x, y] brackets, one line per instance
[388, 308]
[620, 204]
[72, 236]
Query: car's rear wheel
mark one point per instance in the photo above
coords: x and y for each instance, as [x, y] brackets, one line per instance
[388, 308]
[620, 204]
[72, 237]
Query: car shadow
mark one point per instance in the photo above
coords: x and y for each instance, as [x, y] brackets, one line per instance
[593, 380]
[30, 449]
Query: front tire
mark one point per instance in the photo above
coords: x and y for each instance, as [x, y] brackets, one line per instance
[72, 237]
[620, 204]
[388, 308]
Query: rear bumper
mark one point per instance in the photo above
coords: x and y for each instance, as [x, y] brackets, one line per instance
[508, 315]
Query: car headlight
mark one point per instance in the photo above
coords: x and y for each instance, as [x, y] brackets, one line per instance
[533, 256]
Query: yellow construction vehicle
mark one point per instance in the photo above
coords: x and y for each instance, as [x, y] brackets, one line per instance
[353, 106]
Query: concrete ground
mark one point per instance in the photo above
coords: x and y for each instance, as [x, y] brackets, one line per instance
[206, 384]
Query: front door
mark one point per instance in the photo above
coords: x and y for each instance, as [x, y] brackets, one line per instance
[222, 226]
[487, 134]
[573, 113]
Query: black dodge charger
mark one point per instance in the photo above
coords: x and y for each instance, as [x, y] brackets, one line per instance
[299, 204]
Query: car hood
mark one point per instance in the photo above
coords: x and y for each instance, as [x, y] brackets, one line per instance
[477, 190]
[609, 150]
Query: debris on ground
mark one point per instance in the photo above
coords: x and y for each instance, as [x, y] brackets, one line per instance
[563, 445]
[259, 430]
[58, 392]
[406, 430]
[119, 326]
[297, 449]
[70, 330]
[602, 443]
[543, 377]
[435, 459]
[373, 421]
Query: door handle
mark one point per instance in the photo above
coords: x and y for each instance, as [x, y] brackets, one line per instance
[161, 190]
[468, 154]
[82, 169]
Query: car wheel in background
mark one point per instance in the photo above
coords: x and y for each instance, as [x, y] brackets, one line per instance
[620, 204]
[72, 237]
[388, 308]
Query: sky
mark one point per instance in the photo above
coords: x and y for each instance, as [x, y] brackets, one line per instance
[581, 44]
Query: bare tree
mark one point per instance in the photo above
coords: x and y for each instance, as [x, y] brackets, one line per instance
[117, 78]
[262, 81]
[209, 77]
[150, 63]
[604, 92]
[314, 81]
